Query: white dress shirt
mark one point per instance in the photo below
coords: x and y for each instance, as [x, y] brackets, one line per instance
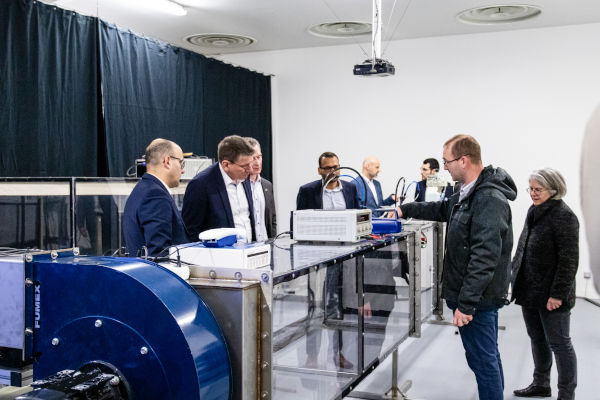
[258, 198]
[333, 199]
[371, 186]
[239, 205]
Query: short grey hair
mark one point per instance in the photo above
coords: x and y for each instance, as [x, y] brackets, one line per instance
[552, 180]
[253, 142]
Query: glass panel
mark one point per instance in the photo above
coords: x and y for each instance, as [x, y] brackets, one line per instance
[385, 288]
[35, 214]
[99, 207]
[289, 256]
[314, 341]
[428, 243]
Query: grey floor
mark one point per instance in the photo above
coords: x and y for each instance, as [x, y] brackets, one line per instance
[436, 365]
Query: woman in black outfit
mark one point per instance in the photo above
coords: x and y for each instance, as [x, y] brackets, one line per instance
[543, 283]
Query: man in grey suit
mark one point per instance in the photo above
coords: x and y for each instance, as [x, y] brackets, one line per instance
[265, 217]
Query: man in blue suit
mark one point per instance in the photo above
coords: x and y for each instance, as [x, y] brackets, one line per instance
[221, 196]
[370, 170]
[151, 220]
[336, 196]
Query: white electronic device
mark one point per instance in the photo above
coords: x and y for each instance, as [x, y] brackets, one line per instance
[221, 237]
[331, 225]
[239, 255]
[194, 165]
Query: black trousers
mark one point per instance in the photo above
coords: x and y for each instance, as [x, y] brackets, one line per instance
[549, 333]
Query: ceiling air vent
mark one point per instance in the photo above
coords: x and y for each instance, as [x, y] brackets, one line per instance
[501, 14]
[219, 40]
[340, 29]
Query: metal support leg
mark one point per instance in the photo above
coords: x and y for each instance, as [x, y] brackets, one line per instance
[394, 393]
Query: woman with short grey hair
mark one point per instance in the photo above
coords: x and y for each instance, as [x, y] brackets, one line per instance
[543, 283]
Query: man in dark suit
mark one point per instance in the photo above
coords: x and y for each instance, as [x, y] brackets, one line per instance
[220, 196]
[335, 196]
[263, 198]
[151, 219]
[374, 195]
[430, 167]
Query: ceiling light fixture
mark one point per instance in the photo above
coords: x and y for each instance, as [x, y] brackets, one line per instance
[499, 14]
[163, 6]
[219, 41]
[341, 29]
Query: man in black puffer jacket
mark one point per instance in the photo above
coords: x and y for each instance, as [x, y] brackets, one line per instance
[477, 256]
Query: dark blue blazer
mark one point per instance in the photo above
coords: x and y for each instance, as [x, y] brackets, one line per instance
[206, 204]
[310, 196]
[372, 202]
[151, 218]
[422, 187]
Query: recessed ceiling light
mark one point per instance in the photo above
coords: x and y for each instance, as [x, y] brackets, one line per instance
[219, 40]
[500, 14]
[340, 29]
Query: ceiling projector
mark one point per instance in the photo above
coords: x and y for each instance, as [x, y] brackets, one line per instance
[378, 68]
[375, 66]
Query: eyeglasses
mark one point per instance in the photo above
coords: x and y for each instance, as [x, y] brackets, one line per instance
[331, 168]
[536, 190]
[181, 161]
[446, 162]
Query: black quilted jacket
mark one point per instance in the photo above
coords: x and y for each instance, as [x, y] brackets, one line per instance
[547, 256]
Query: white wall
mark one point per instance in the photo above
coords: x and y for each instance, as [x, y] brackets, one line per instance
[525, 95]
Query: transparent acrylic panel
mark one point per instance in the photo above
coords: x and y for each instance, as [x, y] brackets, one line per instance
[99, 207]
[290, 256]
[428, 258]
[386, 300]
[35, 213]
[314, 341]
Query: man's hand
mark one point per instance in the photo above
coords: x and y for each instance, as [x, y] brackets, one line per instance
[553, 304]
[392, 214]
[461, 319]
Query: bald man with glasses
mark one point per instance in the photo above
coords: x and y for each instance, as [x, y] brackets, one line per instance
[151, 221]
[221, 196]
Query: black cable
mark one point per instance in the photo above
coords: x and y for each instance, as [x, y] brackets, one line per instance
[330, 176]
[277, 237]
[158, 260]
[402, 196]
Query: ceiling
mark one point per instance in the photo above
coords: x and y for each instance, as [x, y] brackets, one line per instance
[283, 24]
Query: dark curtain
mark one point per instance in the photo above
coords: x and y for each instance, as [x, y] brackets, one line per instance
[82, 98]
[237, 101]
[48, 95]
[150, 90]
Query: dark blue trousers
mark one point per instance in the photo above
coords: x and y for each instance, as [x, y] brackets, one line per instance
[480, 341]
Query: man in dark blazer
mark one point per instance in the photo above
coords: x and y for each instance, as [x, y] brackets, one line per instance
[265, 216]
[151, 220]
[430, 166]
[336, 196]
[220, 196]
[374, 194]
